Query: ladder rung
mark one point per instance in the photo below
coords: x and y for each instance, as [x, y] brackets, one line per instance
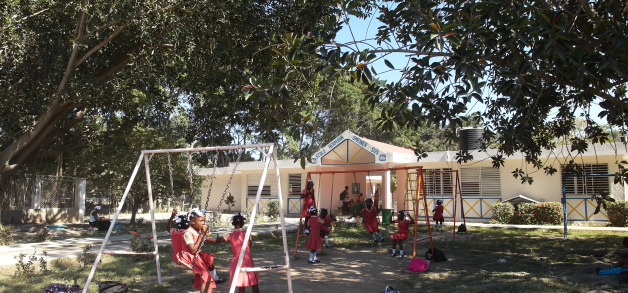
[128, 252]
[259, 269]
[422, 238]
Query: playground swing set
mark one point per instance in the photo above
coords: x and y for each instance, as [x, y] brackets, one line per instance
[417, 198]
[146, 156]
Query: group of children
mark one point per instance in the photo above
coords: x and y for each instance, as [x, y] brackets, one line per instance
[316, 227]
[187, 232]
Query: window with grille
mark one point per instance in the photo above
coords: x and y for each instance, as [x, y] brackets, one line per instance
[294, 184]
[587, 185]
[480, 181]
[438, 184]
[269, 189]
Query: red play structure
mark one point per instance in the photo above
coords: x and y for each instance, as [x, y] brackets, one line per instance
[420, 198]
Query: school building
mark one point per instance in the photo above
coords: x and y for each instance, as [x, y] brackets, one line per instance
[481, 185]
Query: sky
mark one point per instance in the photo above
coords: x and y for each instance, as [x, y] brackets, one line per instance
[367, 29]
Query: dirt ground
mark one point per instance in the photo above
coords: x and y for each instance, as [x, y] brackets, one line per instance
[371, 269]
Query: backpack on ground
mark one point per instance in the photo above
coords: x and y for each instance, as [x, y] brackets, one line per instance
[112, 287]
[390, 289]
[462, 228]
[62, 288]
[438, 255]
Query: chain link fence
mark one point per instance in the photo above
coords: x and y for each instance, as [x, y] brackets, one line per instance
[40, 192]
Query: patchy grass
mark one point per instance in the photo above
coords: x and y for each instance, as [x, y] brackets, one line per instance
[536, 261]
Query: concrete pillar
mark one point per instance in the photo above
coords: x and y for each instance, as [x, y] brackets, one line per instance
[386, 189]
[36, 202]
[80, 199]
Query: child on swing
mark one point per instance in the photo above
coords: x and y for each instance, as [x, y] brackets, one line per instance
[314, 224]
[438, 215]
[370, 219]
[402, 234]
[205, 278]
[246, 279]
[324, 231]
[176, 226]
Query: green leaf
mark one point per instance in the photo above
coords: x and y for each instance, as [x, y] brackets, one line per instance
[389, 64]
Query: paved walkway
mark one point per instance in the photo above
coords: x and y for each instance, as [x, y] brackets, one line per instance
[73, 247]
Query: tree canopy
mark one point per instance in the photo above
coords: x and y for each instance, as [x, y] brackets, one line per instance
[533, 64]
[64, 64]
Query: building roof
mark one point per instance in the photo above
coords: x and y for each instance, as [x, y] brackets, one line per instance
[351, 149]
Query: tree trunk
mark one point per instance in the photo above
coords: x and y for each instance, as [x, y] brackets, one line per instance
[134, 207]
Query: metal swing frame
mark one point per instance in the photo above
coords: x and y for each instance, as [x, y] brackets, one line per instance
[420, 198]
[146, 156]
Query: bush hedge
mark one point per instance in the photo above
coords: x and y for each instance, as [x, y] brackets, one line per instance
[617, 213]
[502, 212]
[528, 213]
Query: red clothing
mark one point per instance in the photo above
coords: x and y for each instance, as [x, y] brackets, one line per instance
[314, 240]
[402, 233]
[245, 279]
[175, 239]
[323, 226]
[438, 214]
[370, 219]
[203, 261]
[308, 201]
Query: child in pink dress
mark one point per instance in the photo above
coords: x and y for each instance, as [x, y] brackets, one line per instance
[402, 234]
[370, 219]
[205, 278]
[438, 215]
[176, 226]
[236, 238]
[313, 243]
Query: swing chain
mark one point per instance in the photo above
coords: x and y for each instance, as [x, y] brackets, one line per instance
[319, 191]
[211, 182]
[191, 178]
[213, 220]
[170, 172]
[222, 198]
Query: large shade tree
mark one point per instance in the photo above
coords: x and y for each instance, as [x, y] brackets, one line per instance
[536, 65]
[64, 61]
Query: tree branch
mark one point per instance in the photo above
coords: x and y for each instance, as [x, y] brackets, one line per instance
[102, 44]
[78, 116]
[34, 143]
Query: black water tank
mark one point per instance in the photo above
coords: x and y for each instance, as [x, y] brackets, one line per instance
[470, 138]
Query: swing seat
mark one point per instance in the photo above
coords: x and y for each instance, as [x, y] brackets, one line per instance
[423, 238]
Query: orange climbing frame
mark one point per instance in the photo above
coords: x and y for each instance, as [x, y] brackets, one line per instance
[419, 200]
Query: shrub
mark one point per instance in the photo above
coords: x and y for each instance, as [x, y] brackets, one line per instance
[273, 209]
[503, 212]
[5, 234]
[357, 207]
[42, 235]
[547, 213]
[617, 213]
[141, 244]
[25, 265]
[523, 215]
[86, 259]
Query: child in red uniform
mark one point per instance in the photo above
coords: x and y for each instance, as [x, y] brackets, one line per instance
[236, 238]
[176, 227]
[370, 219]
[438, 215]
[402, 234]
[308, 199]
[314, 224]
[324, 231]
[205, 277]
